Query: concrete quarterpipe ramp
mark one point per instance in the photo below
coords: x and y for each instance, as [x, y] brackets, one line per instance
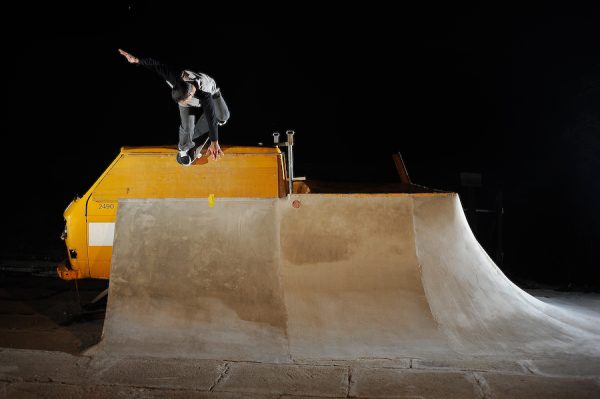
[333, 277]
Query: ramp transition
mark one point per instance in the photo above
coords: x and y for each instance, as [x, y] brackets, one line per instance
[319, 277]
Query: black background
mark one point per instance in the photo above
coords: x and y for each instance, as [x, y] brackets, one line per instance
[513, 98]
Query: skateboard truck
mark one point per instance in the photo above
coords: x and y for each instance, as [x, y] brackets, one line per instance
[290, 161]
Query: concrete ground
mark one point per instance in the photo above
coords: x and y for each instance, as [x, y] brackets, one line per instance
[42, 345]
[44, 374]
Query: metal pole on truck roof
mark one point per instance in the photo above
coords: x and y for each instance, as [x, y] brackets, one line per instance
[290, 135]
[290, 157]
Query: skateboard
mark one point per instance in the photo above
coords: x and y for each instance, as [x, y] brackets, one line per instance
[198, 150]
[192, 154]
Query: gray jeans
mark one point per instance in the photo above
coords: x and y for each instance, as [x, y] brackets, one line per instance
[194, 123]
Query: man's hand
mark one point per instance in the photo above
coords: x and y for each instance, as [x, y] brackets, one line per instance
[214, 150]
[130, 58]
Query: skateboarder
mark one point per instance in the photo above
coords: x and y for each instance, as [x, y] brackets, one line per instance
[201, 107]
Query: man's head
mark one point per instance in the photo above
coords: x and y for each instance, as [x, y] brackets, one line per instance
[182, 92]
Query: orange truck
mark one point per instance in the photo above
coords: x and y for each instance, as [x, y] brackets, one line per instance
[152, 172]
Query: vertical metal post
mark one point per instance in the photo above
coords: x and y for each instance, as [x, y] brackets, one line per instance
[290, 141]
[290, 156]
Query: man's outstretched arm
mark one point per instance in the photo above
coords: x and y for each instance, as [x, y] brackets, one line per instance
[166, 72]
[130, 58]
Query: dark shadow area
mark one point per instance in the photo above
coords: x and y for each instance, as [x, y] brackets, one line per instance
[44, 312]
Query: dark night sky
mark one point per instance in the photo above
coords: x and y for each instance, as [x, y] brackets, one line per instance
[515, 99]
